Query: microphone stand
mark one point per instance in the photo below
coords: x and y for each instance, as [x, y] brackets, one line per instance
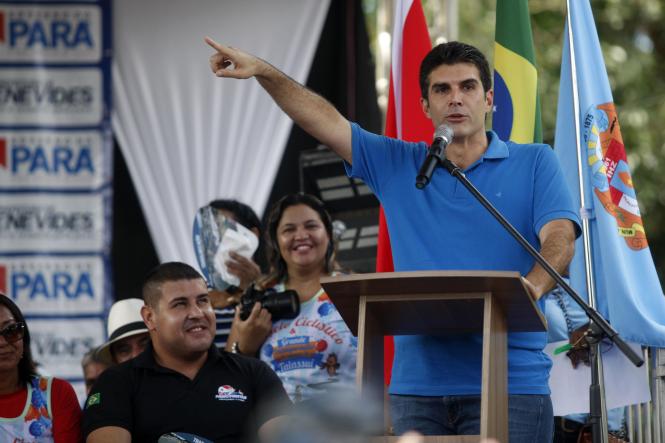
[599, 328]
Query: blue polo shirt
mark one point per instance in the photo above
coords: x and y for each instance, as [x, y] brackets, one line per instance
[444, 227]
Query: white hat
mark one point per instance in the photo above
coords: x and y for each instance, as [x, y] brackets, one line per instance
[124, 321]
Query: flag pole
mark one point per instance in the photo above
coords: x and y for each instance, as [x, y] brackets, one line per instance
[585, 212]
[598, 418]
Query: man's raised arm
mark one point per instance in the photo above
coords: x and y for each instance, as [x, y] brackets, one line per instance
[314, 114]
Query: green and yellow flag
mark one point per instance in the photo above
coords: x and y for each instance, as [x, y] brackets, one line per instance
[516, 105]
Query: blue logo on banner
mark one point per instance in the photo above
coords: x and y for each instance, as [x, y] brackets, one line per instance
[50, 34]
[59, 160]
[54, 285]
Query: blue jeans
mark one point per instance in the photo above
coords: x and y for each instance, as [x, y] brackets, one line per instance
[530, 417]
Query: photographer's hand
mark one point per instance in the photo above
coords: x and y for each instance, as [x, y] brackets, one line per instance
[251, 333]
[244, 268]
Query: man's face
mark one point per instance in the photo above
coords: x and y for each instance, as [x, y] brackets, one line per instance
[129, 347]
[91, 373]
[456, 97]
[182, 324]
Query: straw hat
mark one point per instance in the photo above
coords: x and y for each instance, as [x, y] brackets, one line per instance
[124, 321]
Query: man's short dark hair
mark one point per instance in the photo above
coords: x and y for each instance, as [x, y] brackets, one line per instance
[243, 214]
[452, 53]
[164, 273]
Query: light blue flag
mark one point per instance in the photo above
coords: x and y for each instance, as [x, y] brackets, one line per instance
[627, 289]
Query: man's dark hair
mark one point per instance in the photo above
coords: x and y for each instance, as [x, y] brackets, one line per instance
[94, 356]
[243, 214]
[164, 273]
[26, 366]
[452, 53]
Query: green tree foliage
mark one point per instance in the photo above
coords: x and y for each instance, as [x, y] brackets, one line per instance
[632, 37]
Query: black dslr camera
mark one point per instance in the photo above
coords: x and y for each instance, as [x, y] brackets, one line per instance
[280, 304]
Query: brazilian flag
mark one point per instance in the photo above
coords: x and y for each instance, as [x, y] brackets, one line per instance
[516, 105]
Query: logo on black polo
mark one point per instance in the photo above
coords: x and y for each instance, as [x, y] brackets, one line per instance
[94, 399]
[229, 393]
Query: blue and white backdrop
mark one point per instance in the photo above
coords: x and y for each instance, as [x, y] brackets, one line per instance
[186, 137]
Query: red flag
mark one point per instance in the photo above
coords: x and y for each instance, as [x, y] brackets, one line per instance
[405, 119]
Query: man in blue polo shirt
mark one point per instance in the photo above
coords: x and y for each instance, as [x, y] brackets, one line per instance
[435, 387]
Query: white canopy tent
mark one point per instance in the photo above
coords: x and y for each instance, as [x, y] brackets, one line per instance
[188, 137]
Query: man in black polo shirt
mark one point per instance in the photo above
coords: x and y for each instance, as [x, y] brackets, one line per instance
[181, 382]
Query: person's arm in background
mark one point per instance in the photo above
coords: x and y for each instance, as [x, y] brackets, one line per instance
[66, 412]
[314, 114]
[108, 413]
[244, 268]
[253, 331]
[274, 408]
[109, 434]
[250, 334]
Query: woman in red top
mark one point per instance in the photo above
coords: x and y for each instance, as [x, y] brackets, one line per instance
[32, 408]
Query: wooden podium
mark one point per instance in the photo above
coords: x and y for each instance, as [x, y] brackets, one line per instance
[438, 303]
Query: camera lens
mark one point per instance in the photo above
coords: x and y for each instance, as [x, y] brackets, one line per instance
[282, 304]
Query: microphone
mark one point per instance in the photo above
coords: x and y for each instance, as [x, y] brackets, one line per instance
[338, 229]
[442, 138]
[182, 437]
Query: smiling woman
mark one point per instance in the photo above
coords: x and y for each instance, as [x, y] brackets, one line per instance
[315, 351]
[32, 407]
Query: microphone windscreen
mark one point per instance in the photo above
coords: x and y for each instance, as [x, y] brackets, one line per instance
[338, 228]
[445, 132]
[182, 437]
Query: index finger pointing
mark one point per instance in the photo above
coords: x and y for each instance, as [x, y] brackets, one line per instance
[216, 46]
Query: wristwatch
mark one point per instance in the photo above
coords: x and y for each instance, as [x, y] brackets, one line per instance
[235, 349]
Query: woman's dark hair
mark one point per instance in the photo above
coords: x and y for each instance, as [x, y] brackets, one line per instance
[26, 366]
[246, 216]
[278, 270]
